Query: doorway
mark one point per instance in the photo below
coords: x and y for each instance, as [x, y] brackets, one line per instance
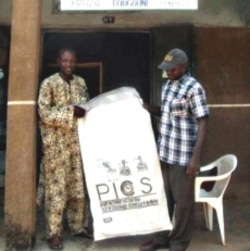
[118, 58]
[127, 57]
[124, 58]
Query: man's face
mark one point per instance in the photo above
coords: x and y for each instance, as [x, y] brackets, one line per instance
[176, 72]
[67, 63]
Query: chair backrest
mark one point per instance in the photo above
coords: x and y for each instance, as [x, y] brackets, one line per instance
[225, 166]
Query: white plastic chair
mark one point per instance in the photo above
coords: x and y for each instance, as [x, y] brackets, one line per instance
[213, 199]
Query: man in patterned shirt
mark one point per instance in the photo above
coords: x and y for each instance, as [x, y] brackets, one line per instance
[64, 184]
[184, 114]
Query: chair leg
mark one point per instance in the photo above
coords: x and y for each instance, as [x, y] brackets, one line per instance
[208, 213]
[220, 217]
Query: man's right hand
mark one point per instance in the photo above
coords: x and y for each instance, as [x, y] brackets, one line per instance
[155, 110]
[145, 106]
[79, 112]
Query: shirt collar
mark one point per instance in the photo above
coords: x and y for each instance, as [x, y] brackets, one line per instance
[182, 79]
[63, 80]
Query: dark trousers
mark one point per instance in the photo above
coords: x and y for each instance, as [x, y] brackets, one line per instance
[179, 189]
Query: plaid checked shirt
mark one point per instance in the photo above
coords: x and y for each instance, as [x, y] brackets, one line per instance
[183, 101]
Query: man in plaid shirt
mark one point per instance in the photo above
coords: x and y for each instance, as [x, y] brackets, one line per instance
[184, 114]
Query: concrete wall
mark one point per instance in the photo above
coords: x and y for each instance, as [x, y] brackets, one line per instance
[222, 66]
[212, 12]
[5, 12]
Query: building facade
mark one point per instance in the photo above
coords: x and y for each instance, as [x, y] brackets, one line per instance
[118, 48]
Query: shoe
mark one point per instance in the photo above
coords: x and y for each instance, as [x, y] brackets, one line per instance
[153, 245]
[149, 246]
[55, 243]
[86, 233]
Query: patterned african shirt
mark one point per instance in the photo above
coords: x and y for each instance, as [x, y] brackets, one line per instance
[62, 182]
[56, 101]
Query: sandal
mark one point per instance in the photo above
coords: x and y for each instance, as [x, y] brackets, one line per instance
[55, 243]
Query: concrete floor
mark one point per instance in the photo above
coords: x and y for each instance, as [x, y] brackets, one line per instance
[237, 228]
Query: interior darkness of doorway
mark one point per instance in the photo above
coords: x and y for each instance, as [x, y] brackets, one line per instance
[125, 57]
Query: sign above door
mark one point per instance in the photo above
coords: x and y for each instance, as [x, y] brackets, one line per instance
[123, 5]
